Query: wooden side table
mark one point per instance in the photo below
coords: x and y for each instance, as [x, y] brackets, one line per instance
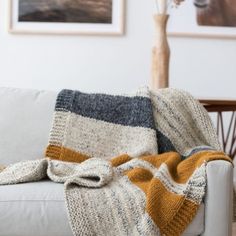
[225, 110]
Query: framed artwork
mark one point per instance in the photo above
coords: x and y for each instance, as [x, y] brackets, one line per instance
[204, 18]
[98, 17]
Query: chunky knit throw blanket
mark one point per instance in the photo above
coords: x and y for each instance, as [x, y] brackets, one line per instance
[132, 165]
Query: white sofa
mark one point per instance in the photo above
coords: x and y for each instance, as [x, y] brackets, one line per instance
[37, 209]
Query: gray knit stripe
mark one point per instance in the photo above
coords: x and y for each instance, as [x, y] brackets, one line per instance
[130, 111]
[164, 144]
[65, 100]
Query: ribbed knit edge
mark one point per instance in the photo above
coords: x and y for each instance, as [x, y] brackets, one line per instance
[58, 131]
[64, 100]
[181, 220]
[65, 154]
[185, 214]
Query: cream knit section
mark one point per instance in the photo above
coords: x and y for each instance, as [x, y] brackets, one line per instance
[183, 120]
[116, 209]
[106, 140]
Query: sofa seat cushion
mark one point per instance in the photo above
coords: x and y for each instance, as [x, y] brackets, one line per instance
[33, 209]
[39, 209]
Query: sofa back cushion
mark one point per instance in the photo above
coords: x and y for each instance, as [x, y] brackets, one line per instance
[25, 122]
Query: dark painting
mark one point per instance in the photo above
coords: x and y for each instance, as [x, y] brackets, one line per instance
[67, 11]
[216, 12]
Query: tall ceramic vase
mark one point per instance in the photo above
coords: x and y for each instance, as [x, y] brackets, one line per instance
[160, 54]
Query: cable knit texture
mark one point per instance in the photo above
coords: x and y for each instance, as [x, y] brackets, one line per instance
[130, 164]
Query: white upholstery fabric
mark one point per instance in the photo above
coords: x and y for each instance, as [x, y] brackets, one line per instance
[38, 209]
[219, 199]
[25, 121]
[33, 209]
[197, 225]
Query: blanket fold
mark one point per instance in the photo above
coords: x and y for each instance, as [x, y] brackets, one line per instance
[131, 164]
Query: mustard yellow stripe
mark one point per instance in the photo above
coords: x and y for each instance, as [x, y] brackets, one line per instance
[65, 154]
[170, 212]
[174, 219]
[170, 158]
[53, 152]
[140, 177]
[181, 171]
[166, 208]
[182, 219]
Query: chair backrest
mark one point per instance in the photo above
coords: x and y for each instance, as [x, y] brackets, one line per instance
[25, 121]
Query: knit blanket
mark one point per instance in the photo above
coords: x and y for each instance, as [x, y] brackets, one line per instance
[105, 126]
[131, 165]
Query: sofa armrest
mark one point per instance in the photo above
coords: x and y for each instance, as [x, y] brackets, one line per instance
[219, 199]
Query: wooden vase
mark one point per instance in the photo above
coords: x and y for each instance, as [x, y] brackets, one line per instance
[160, 54]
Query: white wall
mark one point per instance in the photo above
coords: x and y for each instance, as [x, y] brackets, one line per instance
[114, 64]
